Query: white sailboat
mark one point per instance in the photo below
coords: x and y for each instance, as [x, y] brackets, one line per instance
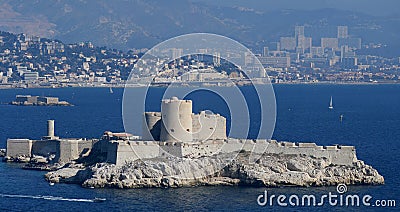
[331, 104]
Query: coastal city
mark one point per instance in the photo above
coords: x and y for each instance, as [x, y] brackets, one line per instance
[31, 61]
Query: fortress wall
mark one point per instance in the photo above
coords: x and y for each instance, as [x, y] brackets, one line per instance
[344, 155]
[335, 155]
[340, 156]
[45, 147]
[330, 147]
[220, 131]
[208, 126]
[85, 146]
[16, 147]
[102, 146]
[312, 145]
[259, 146]
[170, 149]
[127, 151]
[112, 150]
[288, 144]
[68, 150]
[208, 148]
[234, 145]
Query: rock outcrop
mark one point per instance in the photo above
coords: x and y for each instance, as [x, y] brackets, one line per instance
[2, 152]
[266, 170]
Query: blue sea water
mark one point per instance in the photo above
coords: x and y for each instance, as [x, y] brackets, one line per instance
[371, 122]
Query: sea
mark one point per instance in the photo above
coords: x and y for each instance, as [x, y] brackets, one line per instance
[370, 121]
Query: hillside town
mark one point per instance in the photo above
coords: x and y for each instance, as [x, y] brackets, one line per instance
[31, 61]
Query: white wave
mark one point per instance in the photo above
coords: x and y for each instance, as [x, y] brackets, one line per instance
[52, 198]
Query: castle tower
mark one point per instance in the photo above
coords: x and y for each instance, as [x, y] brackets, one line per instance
[151, 126]
[176, 120]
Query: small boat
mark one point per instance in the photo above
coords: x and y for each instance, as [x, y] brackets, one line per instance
[341, 117]
[111, 90]
[331, 104]
[51, 183]
[99, 199]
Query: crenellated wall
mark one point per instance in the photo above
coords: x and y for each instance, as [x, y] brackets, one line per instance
[121, 151]
[19, 147]
[118, 152]
[208, 127]
[64, 149]
[45, 147]
[124, 151]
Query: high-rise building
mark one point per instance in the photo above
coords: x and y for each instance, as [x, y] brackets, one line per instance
[299, 31]
[217, 58]
[354, 43]
[342, 32]
[176, 53]
[265, 51]
[329, 43]
[316, 51]
[349, 62]
[346, 52]
[248, 58]
[288, 43]
[274, 46]
[31, 76]
[276, 62]
[304, 42]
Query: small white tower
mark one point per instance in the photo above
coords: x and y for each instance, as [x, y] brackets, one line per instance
[50, 128]
[50, 131]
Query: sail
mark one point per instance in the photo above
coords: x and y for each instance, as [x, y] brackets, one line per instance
[331, 104]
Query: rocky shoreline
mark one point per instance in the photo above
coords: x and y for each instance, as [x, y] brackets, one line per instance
[266, 170]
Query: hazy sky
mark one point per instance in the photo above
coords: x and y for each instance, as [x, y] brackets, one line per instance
[377, 7]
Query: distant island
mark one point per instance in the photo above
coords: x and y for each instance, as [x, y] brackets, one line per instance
[28, 100]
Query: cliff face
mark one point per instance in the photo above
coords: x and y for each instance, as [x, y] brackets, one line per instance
[267, 170]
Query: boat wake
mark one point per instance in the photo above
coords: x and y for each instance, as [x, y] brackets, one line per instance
[51, 198]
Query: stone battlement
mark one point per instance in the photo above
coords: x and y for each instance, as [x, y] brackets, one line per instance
[132, 150]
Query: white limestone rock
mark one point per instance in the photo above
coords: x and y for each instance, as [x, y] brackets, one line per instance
[63, 175]
[267, 170]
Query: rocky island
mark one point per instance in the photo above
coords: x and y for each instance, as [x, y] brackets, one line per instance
[268, 170]
[169, 155]
[28, 100]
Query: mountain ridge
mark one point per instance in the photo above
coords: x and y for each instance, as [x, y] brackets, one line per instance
[137, 23]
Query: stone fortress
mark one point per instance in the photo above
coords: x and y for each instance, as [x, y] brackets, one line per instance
[28, 100]
[173, 132]
[50, 147]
